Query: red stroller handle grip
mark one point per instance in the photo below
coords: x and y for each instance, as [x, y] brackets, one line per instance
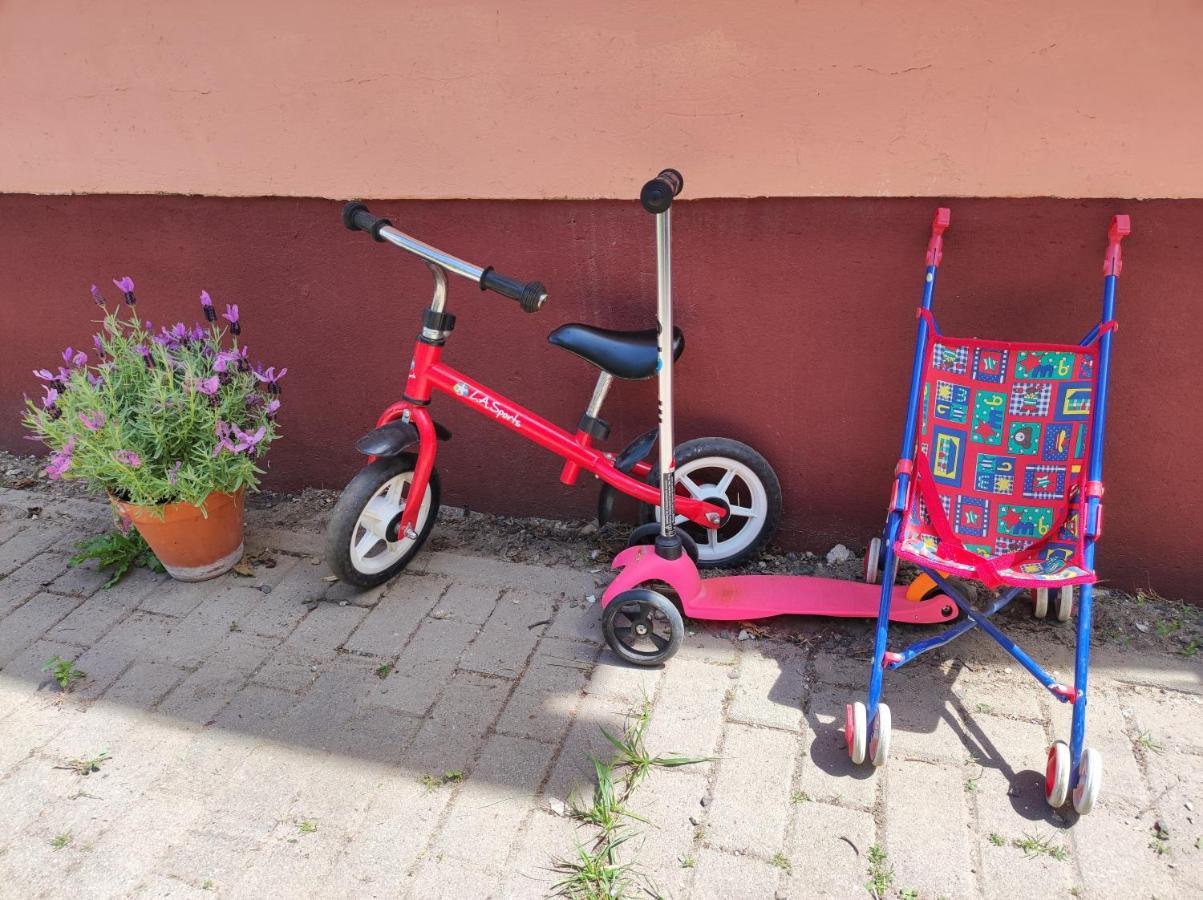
[935, 247]
[1113, 260]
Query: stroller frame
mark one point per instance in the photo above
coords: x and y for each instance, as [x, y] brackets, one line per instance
[1065, 770]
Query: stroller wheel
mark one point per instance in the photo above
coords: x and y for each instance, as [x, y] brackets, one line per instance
[855, 728]
[1090, 780]
[1065, 603]
[879, 736]
[1056, 775]
[872, 559]
[1040, 603]
[643, 627]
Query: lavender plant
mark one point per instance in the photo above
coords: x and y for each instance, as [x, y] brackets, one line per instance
[157, 417]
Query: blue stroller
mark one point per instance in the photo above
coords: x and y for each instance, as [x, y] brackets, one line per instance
[1000, 481]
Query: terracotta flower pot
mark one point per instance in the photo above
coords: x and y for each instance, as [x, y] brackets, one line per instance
[189, 544]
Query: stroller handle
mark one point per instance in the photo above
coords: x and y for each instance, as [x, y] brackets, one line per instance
[1113, 260]
[935, 247]
[530, 295]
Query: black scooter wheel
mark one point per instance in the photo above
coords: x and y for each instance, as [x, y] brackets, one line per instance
[643, 627]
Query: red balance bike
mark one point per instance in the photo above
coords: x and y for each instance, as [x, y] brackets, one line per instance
[733, 499]
[643, 625]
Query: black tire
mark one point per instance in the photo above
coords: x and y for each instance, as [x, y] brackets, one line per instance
[700, 448]
[345, 517]
[646, 608]
[645, 534]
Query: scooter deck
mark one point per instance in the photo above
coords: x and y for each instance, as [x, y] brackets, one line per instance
[736, 597]
[740, 597]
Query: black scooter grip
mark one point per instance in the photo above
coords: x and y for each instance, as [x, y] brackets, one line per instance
[357, 217]
[657, 195]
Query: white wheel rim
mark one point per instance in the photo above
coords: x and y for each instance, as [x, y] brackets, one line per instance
[871, 556]
[1090, 779]
[859, 727]
[1060, 780]
[879, 741]
[370, 552]
[739, 487]
[1065, 603]
[1041, 607]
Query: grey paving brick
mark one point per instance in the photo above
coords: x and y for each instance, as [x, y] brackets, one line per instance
[26, 543]
[619, 682]
[669, 800]
[288, 670]
[933, 794]
[546, 698]
[450, 878]
[195, 858]
[687, 719]
[192, 639]
[771, 686]
[577, 619]
[424, 667]
[545, 839]
[242, 651]
[202, 694]
[292, 862]
[828, 851]
[81, 580]
[326, 627]
[397, 615]
[494, 801]
[31, 577]
[751, 790]
[468, 602]
[90, 621]
[573, 771]
[509, 636]
[30, 621]
[722, 876]
[456, 726]
[144, 684]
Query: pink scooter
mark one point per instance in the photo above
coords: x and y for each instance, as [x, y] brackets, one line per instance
[642, 625]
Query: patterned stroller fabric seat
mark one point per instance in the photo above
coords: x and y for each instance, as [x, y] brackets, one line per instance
[999, 470]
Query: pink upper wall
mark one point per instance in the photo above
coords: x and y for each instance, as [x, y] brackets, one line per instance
[554, 98]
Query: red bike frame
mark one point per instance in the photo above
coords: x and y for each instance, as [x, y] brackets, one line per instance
[428, 373]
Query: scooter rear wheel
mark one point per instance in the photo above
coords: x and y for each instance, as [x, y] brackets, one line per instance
[643, 627]
[357, 548]
[737, 478]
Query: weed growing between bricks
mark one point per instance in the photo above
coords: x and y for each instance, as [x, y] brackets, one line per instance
[596, 872]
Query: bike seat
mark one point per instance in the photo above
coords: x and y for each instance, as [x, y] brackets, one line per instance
[624, 354]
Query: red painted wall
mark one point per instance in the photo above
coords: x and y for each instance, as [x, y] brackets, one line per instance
[799, 316]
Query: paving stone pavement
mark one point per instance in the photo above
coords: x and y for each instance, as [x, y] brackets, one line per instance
[279, 736]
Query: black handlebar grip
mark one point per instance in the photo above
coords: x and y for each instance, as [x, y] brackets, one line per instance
[531, 296]
[357, 217]
[657, 195]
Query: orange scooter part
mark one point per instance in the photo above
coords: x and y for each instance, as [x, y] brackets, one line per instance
[922, 587]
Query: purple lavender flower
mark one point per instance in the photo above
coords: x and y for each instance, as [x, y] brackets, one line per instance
[173, 471]
[74, 357]
[45, 375]
[207, 386]
[96, 298]
[272, 409]
[197, 333]
[223, 438]
[207, 306]
[248, 442]
[94, 380]
[269, 377]
[223, 360]
[50, 399]
[60, 462]
[128, 457]
[126, 286]
[93, 422]
[98, 345]
[144, 352]
[231, 316]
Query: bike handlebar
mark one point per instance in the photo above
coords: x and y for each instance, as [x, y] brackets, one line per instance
[657, 195]
[530, 295]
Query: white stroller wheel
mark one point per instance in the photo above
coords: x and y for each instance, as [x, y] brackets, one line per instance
[1065, 603]
[1090, 781]
[872, 558]
[1056, 775]
[879, 736]
[1040, 601]
[855, 727]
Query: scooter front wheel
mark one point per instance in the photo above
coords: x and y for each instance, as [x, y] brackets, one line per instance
[734, 476]
[358, 546]
[643, 627]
